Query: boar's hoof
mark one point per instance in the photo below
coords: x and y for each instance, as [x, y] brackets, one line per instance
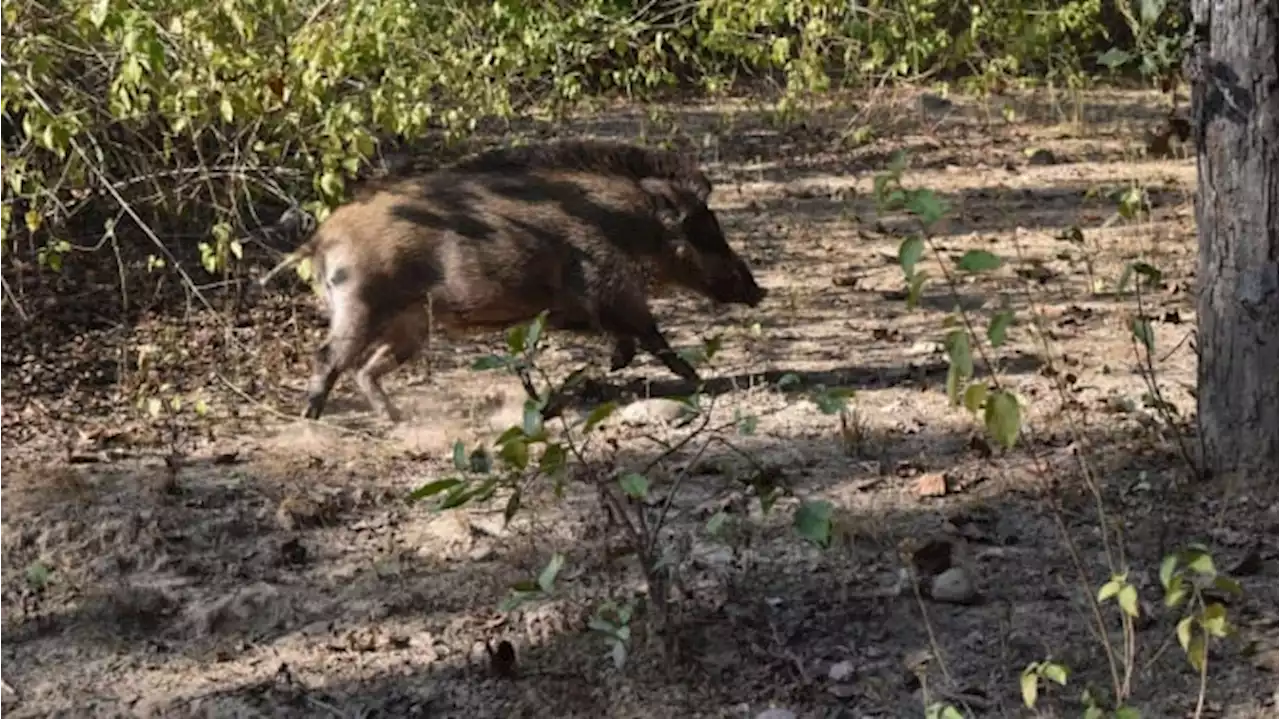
[314, 408]
[624, 352]
[678, 365]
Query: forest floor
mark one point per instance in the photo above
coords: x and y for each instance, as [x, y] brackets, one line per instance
[240, 562]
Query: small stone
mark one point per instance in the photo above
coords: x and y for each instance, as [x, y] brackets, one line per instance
[776, 714]
[481, 552]
[931, 484]
[954, 586]
[840, 671]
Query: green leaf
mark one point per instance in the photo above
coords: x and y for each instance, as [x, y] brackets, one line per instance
[532, 420]
[955, 380]
[534, 332]
[515, 453]
[831, 401]
[915, 288]
[746, 423]
[1198, 652]
[460, 456]
[960, 354]
[813, 521]
[1143, 332]
[1167, 568]
[1003, 418]
[974, 396]
[716, 523]
[1185, 626]
[547, 579]
[897, 162]
[513, 506]
[979, 261]
[1114, 58]
[599, 414]
[1228, 585]
[527, 586]
[1109, 590]
[485, 490]
[1176, 594]
[433, 488]
[1122, 285]
[998, 331]
[508, 434]
[1201, 563]
[38, 574]
[1030, 686]
[909, 254]
[489, 362]
[635, 485]
[330, 183]
[1150, 11]
[1127, 713]
[517, 339]
[98, 12]
[927, 206]
[514, 600]
[456, 497]
[958, 350]
[1152, 274]
[790, 379]
[1129, 600]
[1054, 673]
[553, 460]
[1214, 620]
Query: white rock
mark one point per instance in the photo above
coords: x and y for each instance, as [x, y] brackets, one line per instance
[776, 714]
[651, 411]
[954, 586]
[840, 671]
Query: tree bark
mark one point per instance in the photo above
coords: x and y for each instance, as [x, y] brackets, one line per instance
[1233, 73]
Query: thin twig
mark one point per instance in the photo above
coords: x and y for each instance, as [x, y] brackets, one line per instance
[13, 300]
[285, 415]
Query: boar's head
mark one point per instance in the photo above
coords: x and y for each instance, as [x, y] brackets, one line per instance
[696, 254]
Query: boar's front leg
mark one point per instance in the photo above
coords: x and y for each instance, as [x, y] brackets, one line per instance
[624, 351]
[633, 323]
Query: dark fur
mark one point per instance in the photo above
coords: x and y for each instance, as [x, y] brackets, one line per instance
[602, 156]
[485, 250]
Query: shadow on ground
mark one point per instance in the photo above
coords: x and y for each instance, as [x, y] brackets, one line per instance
[215, 567]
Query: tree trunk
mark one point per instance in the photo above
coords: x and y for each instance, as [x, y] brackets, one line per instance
[1232, 70]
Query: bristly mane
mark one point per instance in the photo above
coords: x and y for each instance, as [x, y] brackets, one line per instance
[604, 156]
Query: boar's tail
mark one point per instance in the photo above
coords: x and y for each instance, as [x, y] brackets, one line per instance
[308, 249]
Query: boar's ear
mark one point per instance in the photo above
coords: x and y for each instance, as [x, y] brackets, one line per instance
[666, 201]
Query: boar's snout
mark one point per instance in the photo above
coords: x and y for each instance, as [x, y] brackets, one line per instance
[737, 285]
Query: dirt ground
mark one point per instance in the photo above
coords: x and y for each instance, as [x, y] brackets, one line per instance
[239, 562]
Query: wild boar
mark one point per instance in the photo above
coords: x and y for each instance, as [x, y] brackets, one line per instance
[476, 251]
[610, 157]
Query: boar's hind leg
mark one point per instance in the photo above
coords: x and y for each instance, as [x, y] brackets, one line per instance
[399, 344]
[348, 338]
